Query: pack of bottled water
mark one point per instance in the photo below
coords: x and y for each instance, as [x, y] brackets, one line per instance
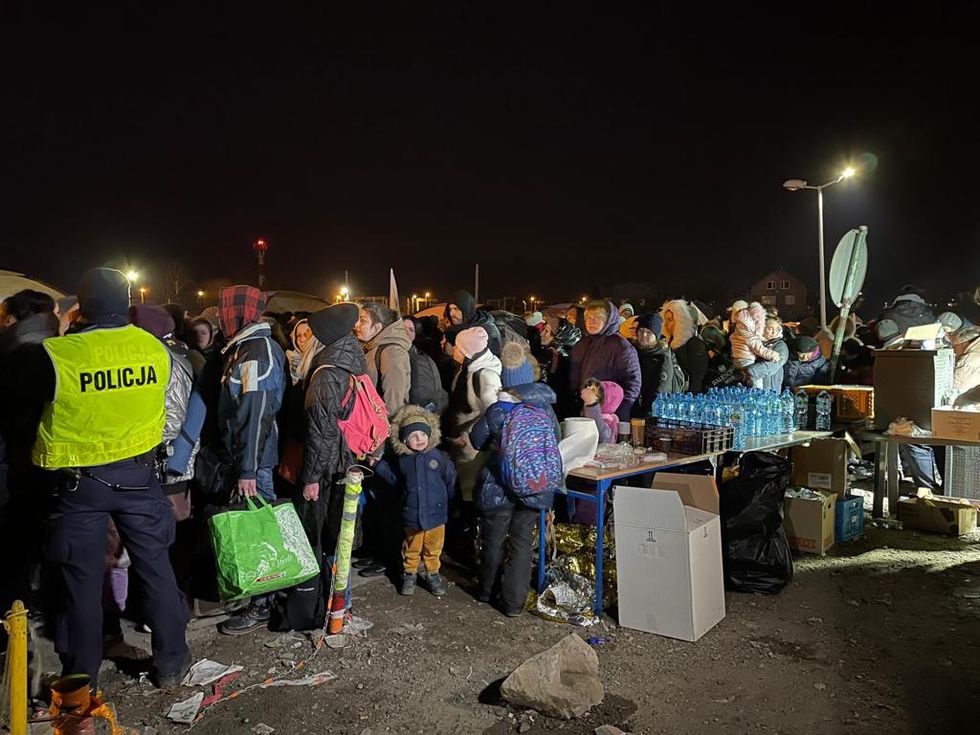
[748, 411]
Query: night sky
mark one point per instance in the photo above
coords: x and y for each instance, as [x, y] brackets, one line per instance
[561, 149]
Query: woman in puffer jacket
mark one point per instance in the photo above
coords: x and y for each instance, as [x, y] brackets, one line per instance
[680, 330]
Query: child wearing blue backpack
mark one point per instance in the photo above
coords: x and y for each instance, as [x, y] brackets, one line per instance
[519, 480]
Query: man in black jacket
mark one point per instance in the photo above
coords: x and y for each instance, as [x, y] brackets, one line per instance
[656, 365]
[461, 312]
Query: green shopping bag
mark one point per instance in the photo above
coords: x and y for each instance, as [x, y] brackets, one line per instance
[260, 549]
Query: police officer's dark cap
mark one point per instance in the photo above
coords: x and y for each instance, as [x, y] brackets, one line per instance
[103, 292]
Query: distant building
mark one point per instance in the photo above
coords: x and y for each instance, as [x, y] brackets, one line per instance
[784, 291]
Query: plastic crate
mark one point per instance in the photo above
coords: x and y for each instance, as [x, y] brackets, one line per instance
[849, 519]
[962, 477]
[684, 437]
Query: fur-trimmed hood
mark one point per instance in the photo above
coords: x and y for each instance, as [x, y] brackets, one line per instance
[684, 326]
[413, 415]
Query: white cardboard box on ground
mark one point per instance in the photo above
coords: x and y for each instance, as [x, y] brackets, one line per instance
[668, 564]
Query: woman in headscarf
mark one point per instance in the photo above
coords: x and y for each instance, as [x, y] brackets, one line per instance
[302, 339]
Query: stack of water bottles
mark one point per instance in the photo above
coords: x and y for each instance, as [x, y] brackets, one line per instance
[748, 411]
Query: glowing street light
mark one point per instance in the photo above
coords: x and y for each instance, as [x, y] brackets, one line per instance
[200, 296]
[798, 185]
[143, 291]
[132, 276]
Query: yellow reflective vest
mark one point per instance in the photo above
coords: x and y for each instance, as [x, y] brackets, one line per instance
[109, 398]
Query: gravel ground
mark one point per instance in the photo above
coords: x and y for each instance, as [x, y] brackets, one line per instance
[879, 636]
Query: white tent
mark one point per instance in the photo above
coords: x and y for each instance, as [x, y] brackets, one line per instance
[12, 282]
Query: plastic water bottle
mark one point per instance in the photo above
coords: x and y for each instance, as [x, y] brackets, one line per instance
[802, 410]
[738, 428]
[669, 408]
[775, 413]
[824, 403]
[755, 409]
[765, 406]
[787, 412]
[697, 409]
[657, 408]
[684, 407]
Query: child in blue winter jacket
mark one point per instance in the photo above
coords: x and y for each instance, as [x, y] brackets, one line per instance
[508, 520]
[426, 478]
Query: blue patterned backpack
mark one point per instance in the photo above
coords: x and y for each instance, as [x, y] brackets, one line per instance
[530, 460]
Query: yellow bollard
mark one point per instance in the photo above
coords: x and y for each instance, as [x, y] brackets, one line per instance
[16, 624]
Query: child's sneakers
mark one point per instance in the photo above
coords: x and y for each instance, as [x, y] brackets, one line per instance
[434, 584]
[407, 585]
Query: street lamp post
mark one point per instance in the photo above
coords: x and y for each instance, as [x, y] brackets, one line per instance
[797, 185]
[142, 294]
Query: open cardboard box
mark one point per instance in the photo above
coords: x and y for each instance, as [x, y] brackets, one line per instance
[809, 522]
[928, 512]
[822, 465]
[668, 558]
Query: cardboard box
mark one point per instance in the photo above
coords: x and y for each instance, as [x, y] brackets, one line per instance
[809, 522]
[909, 383]
[822, 465]
[952, 423]
[668, 564]
[937, 515]
[696, 491]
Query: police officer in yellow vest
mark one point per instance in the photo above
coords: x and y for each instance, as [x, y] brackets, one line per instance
[100, 429]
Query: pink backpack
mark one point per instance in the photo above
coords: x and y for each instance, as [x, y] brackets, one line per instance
[366, 427]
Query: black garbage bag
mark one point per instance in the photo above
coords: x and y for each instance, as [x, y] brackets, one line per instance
[754, 548]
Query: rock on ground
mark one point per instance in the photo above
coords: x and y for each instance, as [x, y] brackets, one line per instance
[562, 681]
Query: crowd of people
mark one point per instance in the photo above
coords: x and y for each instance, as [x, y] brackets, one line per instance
[124, 427]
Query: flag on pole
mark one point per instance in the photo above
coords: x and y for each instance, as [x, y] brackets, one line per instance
[393, 291]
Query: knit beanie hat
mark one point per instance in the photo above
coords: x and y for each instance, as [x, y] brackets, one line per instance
[103, 292]
[653, 322]
[738, 306]
[517, 368]
[333, 323]
[950, 320]
[805, 345]
[471, 342]
[714, 338]
[177, 312]
[887, 331]
[153, 319]
[534, 319]
[405, 431]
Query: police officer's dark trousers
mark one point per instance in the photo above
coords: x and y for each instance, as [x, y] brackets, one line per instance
[76, 542]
